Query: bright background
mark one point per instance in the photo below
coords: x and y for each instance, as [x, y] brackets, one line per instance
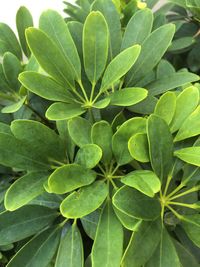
[8, 9]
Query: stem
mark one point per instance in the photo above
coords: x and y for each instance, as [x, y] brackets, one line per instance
[175, 213]
[191, 206]
[102, 169]
[169, 178]
[194, 189]
[114, 171]
[83, 90]
[78, 95]
[97, 96]
[7, 97]
[92, 92]
[114, 185]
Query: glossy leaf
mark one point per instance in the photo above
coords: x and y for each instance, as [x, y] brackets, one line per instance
[80, 131]
[128, 222]
[70, 177]
[95, 45]
[144, 181]
[24, 20]
[190, 155]
[138, 147]
[128, 96]
[138, 28]
[24, 222]
[106, 236]
[88, 156]
[70, 251]
[52, 23]
[191, 224]
[90, 223]
[14, 107]
[135, 204]
[25, 189]
[63, 111]
[119, 66]
[80, 203]
[160, 146]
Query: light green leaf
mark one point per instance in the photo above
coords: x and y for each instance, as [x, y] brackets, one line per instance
[24, 222]
[107, 8]
[9, 42]
[138, 28]
[63, 111]
[25, 189]
[119, 66]
[50, 57]
[191, 225]
[14, 107]
[144, 181]
[157, 42]
[128, 222]
[142, 244]
[80, 131]
[45, 87]
[70, 177]
[121, 137]
[128, 96]
[24, 20]
[95, 45]
[88, 156]
[11, 68]
[84, 201]
[186, 131]
[101, 135]
[135, 204]
[52, 23]
[101, 104]
[138, 147]
[186, 103]
[166, 106]
[70, 251]
[190, 155]
[106, 236]
[160, 146]
[39, 251]
[171, 82]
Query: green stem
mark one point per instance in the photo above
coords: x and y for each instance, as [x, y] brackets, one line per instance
[8, 97]
[97, 96]
[191, 206]
[115, 169]
[114, 185]
[169, 178]
[180, 217]
[92, 91]
[83, 90]
[102, 170]
[194, 189]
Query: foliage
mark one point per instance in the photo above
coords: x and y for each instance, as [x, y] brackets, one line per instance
[99, 162]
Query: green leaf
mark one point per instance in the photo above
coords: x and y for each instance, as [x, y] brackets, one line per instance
[45, 87]
[101, 135]
[24, 222]
[52, 23]
[63, 111]
[95, 45]
[135, 204]
[14, 107]
[144, 181]
[191, 225]
[128, 222]
[88, 156]
[90, 223]
[84, 201]
[138, 147]
[157, 42]
[119, 66]
[42, 139]
[24, 20]
[160, 146]
[142, 244]
[166, 106]
[190, 155]
[164, 68]
[128, 96]
[101, 104]
[138, 28]
[146, 106]
[106, 236]
[70, 251]
[186, 103]
[80, 131]
[171, 82]
[107, 8]
[25, 189]
[39, 251]
[11, 68]
[186, 131]
[70, 177]
[181, 43]
[9, 42]
[76, 31]
[50, 57]
[121, 137]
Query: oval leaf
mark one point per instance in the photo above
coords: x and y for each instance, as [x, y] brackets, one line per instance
[190, 155]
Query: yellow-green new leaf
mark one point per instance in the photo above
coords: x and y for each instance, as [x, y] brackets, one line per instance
[144, 181]
[119, 66]
[95, 45]
[108, 243]
[190, 155]
[14, 107]
[84, 201]
[70, 177]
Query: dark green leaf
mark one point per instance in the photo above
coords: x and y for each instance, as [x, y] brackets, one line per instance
[191, 224]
